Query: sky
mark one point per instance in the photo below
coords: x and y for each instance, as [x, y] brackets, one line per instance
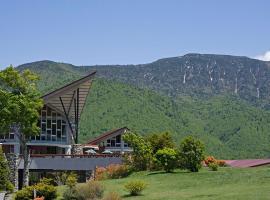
[88, 32]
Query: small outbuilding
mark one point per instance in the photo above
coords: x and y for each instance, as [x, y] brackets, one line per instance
[109, 141]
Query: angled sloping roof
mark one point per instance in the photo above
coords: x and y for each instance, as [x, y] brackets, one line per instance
[107, 135]
[68, 95]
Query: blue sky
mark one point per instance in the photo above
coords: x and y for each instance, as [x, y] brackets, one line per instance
[86, 32]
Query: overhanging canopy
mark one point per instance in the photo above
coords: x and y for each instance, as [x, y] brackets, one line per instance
[70, 99]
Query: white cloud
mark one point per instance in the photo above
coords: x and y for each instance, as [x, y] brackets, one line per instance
[264, 57]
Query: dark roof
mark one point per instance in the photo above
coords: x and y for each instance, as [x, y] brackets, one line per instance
[68, 93]
[106, 135]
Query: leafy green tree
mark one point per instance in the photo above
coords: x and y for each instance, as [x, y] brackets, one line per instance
[4, 171]
[160, 141]
[167, 158]
[20, 108]
[142, 151]
[191, 153]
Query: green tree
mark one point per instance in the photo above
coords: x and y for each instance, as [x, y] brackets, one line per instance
[142, 151]
[191, 154]
[160, 141]
[167, 158]
[4, 171]
[20, 108]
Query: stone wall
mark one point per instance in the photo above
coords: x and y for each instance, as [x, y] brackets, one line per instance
[76, 149]
[13, 162]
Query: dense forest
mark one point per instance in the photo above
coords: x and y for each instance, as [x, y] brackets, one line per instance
[231, 125]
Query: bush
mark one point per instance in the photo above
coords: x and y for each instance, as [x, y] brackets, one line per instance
[221, 163]
[112, 196]
[117, 171]
[71, 180]
[135, 187]
[191, 154]
[42, 190]
[167, 158]
[47, 181]
[25, 194]
[9, 187]
[100, 173]
[89, 190]
[213, 166]
[209, 159]
[47, 191]
[70, 194]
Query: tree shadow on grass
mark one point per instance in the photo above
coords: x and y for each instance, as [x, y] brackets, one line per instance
[128, 195]
[162, 172]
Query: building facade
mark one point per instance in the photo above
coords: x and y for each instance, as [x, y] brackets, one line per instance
[110, 141]
[59, 121]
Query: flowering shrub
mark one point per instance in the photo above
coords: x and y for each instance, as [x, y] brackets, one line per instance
[221, 163]
[39, 198]
[209, 159]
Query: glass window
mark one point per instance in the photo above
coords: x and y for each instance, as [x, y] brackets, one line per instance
[118, 139]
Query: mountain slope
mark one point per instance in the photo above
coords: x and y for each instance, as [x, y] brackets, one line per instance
[230, 127]
[199, 75]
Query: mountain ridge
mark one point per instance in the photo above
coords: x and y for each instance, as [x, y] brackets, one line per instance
[232, 126]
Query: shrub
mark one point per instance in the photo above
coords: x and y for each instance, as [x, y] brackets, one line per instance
[167, 158]
[49, 192]
[70, 194]
[47, 181]
[100, 173]
[191, 154]
[25, 194]
[117, 171]
[112, 196]
[213, 166]
[209, 159]
[39, 198]
[89, 190]
[42, 190]
[221, 163]
[135, 187]
[71, 180]
[9, 187]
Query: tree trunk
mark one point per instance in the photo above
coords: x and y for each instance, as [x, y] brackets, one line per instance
[26, 159]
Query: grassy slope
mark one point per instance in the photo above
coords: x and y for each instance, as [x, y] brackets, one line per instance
[227, 183]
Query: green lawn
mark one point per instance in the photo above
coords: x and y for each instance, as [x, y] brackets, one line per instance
[227, 183]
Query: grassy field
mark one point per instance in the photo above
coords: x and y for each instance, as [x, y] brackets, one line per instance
[227, 183]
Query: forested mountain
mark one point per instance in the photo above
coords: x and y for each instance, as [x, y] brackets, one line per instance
[221, 99]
